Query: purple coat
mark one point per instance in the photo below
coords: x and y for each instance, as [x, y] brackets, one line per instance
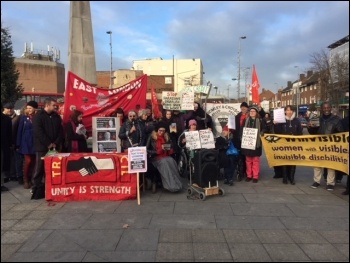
[25, 139]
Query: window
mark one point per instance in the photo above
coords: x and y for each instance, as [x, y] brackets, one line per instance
[168, 80]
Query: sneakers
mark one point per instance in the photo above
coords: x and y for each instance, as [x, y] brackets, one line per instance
[330, 187]
[230, 183]
[255, 181]
[338, 181]
[315, 185]
[248, 179]
[225, 181]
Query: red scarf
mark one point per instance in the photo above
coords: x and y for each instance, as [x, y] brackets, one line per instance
[159, 147]
[242, 119]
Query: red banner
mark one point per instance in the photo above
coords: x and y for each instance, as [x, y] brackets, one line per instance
[155, 106]
[94, 101]
[255, 87]
[89, 176]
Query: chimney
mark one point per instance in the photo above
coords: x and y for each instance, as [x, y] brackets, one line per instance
[309, 73]
[289, 84]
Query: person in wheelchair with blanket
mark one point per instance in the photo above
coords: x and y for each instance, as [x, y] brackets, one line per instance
[160, 149]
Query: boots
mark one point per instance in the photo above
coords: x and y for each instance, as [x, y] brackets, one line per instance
[285, 174]
[291, 174]
[26, 184]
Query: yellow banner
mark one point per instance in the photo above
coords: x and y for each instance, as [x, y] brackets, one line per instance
[329, 151]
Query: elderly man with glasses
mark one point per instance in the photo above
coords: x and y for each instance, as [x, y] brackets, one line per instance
[131, 133]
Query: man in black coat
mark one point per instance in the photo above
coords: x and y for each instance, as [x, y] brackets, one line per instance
[329, 124]
[6, 143]
[48, 134]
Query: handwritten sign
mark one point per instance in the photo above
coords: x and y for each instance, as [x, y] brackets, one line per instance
[278, 115]
[231, 122]
[137, 157]
[187, 100]
[192, 140]
[207, 139]
[249, 137]
[171, 100]
[197, 89]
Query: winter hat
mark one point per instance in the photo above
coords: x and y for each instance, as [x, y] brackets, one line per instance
[161, 125]
[33, 104]
[8, 105]
[244, 104]
[191, 122]
[254, 108]
[225, 128]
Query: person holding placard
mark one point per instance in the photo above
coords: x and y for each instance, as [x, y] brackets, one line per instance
[291, 126]
[160, 148]
[237, 135]
[253, 154]
[228, 162]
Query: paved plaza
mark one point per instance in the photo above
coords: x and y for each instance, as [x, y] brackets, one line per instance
[267, 221]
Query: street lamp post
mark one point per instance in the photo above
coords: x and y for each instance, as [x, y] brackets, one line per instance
[297, 94]
[239, 67]
[246, 94]
[228, 92]
[110, 44]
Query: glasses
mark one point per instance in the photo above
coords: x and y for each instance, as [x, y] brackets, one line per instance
[132, 116]
[194, 124]
[161, 130]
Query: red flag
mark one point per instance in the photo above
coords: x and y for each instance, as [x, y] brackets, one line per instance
[255, 87]
[155, 107]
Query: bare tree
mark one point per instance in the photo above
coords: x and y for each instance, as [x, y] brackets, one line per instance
[333, 76]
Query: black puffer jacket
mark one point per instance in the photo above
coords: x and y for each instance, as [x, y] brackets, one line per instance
[291, 127]
[47, 129]
[328, 125]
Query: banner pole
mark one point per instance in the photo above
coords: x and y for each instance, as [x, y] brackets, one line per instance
[138, 189]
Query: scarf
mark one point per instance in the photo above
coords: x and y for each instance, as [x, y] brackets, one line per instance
[254, 123]
[159, 145]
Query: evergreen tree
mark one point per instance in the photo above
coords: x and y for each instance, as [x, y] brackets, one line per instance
[11, 91]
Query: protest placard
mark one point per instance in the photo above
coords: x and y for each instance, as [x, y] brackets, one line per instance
[192, 140]
[207, 139]
[249, 137]
[187, 100]
[171, 100]
[279, 116]
[137, 157]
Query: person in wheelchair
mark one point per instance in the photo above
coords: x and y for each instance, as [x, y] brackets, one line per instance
[160, 150]
[186, 154]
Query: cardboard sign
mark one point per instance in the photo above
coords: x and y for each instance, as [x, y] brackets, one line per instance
[171, 100]
[279, 116]
[249, 137]
[105, 132]
[137, 157]
[187, 100]
[207, 139]
[192, 140]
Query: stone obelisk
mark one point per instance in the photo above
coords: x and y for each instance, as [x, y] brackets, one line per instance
[81, 51]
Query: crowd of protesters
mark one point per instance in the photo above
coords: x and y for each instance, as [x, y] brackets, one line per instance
[26, 139]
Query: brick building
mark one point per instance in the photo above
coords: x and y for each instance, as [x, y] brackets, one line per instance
[39, 73]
